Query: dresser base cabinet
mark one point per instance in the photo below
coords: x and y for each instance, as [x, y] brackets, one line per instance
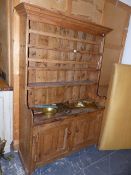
[57, 139]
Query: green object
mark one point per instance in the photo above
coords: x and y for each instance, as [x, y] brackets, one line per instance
[1, 173]
[2, 146]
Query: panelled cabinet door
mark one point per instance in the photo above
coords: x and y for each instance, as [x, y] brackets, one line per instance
[94, 128]
[80, 131]
[86, 130]
[53, 140]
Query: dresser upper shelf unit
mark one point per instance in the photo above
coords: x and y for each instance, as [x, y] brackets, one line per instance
[57, 18]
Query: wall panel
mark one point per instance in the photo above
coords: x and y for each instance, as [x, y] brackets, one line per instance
[116, 16]
[4, 37]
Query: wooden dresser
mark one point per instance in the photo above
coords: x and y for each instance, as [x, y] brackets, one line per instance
[60, 62]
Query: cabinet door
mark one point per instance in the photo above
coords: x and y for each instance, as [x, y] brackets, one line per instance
[53, 140]
[86, 130]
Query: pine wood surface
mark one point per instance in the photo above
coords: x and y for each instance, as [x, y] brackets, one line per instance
[40, 118]
[45, 50]
[4, 85]
[60, 61]
[41, 14]
[116, 15]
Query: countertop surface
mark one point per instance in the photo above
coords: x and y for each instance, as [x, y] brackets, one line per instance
[41, 118]
[4, 86]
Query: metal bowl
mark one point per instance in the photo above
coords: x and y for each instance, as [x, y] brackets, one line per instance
[79, 104]
[82, 104]
[49, 111]
[89, 104]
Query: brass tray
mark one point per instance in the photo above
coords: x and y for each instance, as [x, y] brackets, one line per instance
[82, 104]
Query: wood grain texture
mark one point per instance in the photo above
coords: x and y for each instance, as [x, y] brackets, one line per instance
[61, 20]
[62, 137]
[59, 62]
[90, 10]
[54, 7]
[16, 80]
[121, 5]
[116, 15]
[4, 45]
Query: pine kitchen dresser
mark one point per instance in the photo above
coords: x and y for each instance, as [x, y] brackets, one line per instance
[60, 64]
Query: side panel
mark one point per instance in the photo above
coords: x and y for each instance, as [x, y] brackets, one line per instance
[25, 120]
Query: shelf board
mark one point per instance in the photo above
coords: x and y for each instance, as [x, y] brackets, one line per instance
[63, 37]
[58, 84]
[63, 50]
[40, 118]
[60, 61]
[64, 69]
